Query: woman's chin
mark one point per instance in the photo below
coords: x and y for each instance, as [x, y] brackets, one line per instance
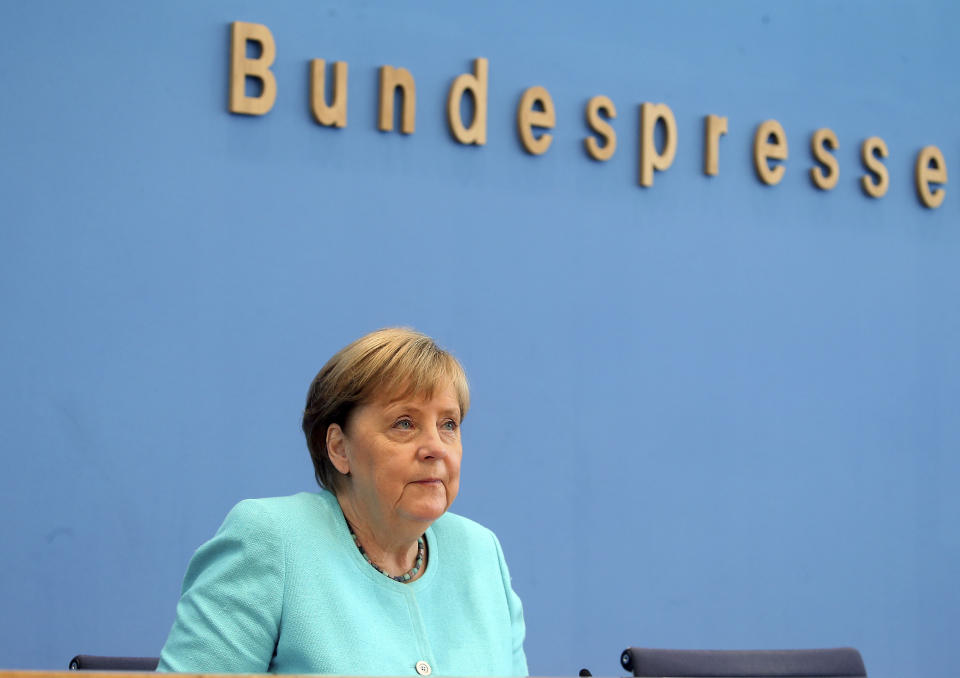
[426, 512]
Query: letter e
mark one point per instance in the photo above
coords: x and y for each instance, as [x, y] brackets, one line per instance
[931, 168]
[528, 118]
[764, 149]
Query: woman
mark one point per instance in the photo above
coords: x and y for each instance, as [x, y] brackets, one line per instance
[371, 575]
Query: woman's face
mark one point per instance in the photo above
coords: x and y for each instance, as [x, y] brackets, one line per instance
[403, 455]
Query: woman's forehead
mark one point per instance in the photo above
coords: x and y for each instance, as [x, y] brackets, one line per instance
[412, 393]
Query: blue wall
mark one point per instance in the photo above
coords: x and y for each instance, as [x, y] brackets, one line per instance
[711, 413]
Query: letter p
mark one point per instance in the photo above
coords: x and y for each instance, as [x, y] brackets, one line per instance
[650, 158]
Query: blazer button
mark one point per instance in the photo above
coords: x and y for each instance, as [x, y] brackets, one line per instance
[423, 668]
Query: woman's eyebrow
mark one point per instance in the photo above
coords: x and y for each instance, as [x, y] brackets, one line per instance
[412, 406]
[403, 404]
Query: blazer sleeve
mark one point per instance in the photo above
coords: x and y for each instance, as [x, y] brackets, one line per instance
[228, 617]
[517, 626]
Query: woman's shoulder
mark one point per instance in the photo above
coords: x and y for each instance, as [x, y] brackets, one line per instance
[283, 512]
[301, 501]
[464, 534]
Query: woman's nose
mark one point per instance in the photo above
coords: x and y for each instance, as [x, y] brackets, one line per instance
[432, 446]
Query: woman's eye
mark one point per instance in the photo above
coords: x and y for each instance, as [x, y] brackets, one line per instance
[403, 424]
[449, 425]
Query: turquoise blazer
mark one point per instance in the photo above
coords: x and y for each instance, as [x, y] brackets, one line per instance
[281, 588]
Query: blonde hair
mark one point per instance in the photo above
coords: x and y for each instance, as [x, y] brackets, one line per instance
[395, 361]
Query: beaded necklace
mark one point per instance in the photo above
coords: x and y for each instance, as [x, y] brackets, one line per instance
[406, 576]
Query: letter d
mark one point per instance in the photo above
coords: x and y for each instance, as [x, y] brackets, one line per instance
[477, 84]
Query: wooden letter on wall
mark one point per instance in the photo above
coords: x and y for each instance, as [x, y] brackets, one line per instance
[714, 127]
[390, 79]
[528, 117]
[241, 68]
[650, 158]
[334, 115]
[871, 148]
[931, 168]
[764, 149]
[824, 137]
[601, 127]
[477, 84]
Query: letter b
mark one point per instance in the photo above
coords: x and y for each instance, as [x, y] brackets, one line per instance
[241, 68]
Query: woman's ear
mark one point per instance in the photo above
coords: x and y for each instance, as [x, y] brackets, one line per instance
[337, 449]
